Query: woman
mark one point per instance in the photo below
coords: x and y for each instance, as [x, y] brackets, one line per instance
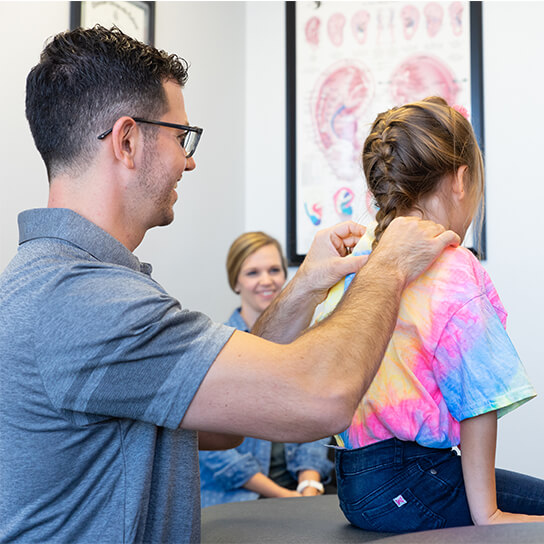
[257, 468]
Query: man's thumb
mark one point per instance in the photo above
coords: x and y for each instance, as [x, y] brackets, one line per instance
[353, 263]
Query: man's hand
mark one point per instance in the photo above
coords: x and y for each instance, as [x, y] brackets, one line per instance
[410, 245]
[326, 263]
[328, 259]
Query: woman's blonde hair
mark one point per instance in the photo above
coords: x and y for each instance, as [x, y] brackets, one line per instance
[245, 245]
[409, 151]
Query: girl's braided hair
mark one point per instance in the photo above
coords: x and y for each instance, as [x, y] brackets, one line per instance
[409, 151]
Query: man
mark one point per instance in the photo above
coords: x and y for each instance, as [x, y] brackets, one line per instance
[105, 378]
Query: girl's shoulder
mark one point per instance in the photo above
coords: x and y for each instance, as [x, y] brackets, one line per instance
[457, 277]
[458, 265]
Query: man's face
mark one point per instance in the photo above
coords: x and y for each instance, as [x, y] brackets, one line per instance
[164, 163]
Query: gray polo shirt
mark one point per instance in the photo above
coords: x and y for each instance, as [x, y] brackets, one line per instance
[98, 365]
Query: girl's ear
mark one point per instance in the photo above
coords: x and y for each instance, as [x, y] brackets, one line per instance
[458, 182]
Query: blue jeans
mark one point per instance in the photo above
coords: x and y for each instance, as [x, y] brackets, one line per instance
[395, 486]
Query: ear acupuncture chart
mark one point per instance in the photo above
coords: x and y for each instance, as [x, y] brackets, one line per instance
[351, 61]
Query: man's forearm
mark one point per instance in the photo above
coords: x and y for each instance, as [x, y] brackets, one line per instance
[288, 315]
[349, 345]
[309, 388]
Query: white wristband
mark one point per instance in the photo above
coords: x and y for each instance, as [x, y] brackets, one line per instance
[310, 483]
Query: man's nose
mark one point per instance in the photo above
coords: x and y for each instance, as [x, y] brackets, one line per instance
[191, 164]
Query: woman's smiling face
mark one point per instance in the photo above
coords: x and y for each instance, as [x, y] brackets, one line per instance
[260, 280]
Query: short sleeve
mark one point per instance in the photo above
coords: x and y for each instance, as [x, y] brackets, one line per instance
[110, 342]
[476, 366]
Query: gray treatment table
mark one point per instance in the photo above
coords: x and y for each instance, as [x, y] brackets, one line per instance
[319, 520]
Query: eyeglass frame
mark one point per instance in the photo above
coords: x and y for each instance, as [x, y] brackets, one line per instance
[188, 128]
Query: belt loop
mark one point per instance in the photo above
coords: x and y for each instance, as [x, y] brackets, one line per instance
[399, 451]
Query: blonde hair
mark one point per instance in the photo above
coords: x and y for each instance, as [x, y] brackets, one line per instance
[409, 151]
[245, 245]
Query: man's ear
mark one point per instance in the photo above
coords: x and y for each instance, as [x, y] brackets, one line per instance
[125, 136]
[459, 182]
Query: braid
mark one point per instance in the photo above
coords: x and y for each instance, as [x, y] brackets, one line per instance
[382, 169]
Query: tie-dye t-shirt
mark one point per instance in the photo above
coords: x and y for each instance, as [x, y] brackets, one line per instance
[449, 358]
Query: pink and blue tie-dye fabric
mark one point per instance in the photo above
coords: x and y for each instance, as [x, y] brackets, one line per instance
[449, 358]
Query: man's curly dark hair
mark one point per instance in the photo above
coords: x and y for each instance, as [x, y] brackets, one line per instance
[86, 79]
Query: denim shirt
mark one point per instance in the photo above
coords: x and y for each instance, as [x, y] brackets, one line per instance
[223, 473]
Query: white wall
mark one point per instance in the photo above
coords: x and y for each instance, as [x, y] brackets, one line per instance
[513, 52]
[25, 27]
[514, 79]
[236, 91]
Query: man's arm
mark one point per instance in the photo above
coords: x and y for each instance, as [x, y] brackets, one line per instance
[310, 388]
[291, 312]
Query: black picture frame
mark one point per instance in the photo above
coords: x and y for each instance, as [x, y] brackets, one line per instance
[147, 8]
[295, 257]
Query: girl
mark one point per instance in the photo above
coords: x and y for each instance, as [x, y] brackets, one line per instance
[450, 369]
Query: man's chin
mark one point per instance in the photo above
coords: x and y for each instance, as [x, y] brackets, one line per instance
[165, 220]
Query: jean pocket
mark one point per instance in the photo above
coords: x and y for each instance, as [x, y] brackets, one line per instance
[394, 512]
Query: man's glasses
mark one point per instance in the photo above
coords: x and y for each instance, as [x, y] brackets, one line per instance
[189, 140]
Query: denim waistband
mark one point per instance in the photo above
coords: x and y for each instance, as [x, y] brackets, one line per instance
[391, 451]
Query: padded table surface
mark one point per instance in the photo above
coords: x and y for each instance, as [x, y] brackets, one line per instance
[319, 520]
[303, 520]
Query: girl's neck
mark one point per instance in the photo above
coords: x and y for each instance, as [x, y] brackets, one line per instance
[450, 205]
[431, 208]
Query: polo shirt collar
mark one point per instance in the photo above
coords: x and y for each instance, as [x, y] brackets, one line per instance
[65, 224]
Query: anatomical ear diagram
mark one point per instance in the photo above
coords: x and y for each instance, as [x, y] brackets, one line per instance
[345, 90]
[341, 96]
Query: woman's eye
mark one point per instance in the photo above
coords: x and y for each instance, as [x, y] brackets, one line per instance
[251, 273]
[275, 270]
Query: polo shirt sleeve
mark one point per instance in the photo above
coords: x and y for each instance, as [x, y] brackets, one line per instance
[110, 342]
[476, 366]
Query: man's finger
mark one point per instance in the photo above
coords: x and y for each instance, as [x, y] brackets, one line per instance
[448, 238]
[349, 265]
[348, 228]
[346, 235]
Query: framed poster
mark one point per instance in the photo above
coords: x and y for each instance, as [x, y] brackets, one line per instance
[347, 62]
[137, 19]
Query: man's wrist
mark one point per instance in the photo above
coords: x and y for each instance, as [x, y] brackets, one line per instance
[310, 483]
[381, 267]
[306, 287]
